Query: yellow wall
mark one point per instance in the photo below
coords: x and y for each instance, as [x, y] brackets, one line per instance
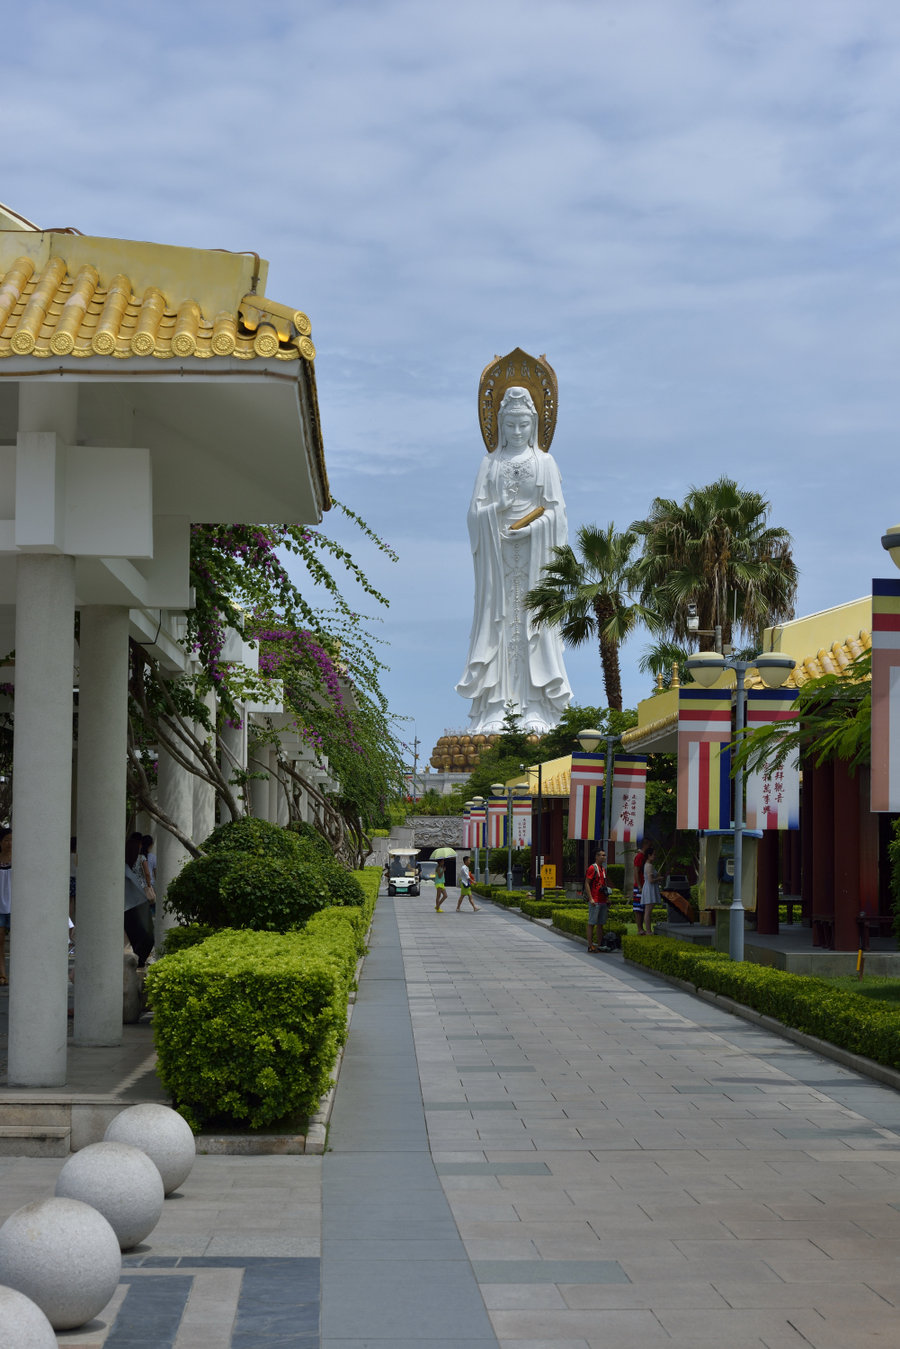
[805, 636]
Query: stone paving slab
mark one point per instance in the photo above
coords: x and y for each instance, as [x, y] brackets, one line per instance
[745, 1190]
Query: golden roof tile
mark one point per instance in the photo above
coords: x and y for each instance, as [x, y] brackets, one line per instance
[47, 311]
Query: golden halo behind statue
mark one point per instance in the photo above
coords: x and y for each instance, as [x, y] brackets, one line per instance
[535, 375]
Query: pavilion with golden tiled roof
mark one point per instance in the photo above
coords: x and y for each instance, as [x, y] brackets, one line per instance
[143, 388]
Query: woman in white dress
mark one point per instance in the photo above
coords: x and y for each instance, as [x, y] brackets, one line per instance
[650, 894]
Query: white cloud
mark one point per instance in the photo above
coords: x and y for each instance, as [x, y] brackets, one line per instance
[692, 208]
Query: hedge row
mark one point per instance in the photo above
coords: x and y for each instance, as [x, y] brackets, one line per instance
[575, 921]
[248, 1024]
[799, 1001]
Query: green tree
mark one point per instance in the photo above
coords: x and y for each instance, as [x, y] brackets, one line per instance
[591, 597]
[717, 550]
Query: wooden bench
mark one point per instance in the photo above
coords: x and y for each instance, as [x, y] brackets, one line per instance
[823, 930]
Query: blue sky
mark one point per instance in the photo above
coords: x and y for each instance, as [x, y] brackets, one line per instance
[692, 206]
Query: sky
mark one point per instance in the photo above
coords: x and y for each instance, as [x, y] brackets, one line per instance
[691, 206]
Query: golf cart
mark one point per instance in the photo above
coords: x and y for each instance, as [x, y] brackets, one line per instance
[403, 872]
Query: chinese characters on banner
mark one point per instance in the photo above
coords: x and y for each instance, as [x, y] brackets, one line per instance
[885, 695]
[629, 791]
[522, 823]
[586, 796]
[773, 794]
[704, 760]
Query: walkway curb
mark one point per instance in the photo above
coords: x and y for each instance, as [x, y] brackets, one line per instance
[890, 1077]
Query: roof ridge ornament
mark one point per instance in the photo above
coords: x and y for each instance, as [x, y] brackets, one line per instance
[535, 374]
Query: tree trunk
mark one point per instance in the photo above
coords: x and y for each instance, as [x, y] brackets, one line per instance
[609, 653]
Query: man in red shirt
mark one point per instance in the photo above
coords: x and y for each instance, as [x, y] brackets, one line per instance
[598, 906]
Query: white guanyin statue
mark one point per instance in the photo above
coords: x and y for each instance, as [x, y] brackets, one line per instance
[516, 518]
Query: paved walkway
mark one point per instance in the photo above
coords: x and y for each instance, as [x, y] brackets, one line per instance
[534, 1148]
[625, 1165]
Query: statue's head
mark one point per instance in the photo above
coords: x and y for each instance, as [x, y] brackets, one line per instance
[517, 418]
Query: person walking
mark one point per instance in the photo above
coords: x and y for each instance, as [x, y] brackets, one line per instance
[465, 886]
[650, 894]
[440, 888]
[637, 894]
[138, 922]
[598, 902]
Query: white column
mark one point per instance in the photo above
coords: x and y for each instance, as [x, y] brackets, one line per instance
[204, 811]
[234, 751]
[102, 739]
[42, 749]
[259, 787]
[175, 793]
[276, 792]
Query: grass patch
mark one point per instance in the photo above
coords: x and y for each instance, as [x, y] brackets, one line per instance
[879, 987]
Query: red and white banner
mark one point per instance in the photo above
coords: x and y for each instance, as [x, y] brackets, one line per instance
[773, 794]
[704, 761]
[496, 824]
[885, 695]
[521, 820]
[586, 796]
[467, 830]
[477, 827]
[629, 792]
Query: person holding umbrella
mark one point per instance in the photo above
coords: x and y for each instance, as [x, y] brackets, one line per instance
[440, 878]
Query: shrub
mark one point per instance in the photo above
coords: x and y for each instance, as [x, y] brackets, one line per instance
[193, 896]
[180, 938]
[271, 895]
[575, 921]
[615, 875]
[800, 1001]
[248, 1024]
[252, 836]
[315, 842]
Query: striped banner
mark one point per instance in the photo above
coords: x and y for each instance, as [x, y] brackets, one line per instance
[522, 808]
[885, 695]
[629, 791]
[467, 829]
[496, 824]
[773, 794]
[586, 796]
[704, 761]
[477, 827]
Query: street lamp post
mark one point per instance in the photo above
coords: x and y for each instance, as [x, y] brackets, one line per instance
[589, 740]
[499, 790]
[706, 667]
[477, 802]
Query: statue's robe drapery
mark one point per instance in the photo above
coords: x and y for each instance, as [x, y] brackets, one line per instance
[509, 660]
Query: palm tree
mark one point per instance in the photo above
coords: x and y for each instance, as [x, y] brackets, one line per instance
[716, 550]
[590, 597]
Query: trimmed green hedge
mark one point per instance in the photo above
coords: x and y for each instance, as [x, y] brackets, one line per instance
[800, 1001]
[248, 1024]
[180, 938]
[575, 921]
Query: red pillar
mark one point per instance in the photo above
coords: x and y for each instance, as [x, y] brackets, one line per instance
[822, 847]
[868, 851]
[807, 797]
[845, 851]
[767, 883]
[555, 849]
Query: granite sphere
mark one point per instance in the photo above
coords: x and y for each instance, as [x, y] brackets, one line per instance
[163, 1134]
[23, 1322]
[64, 1256]
[119, 1181]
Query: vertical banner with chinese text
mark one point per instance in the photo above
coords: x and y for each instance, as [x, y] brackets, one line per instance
[885, 695]
[586, 796]
[522, 808]
[773, 794]
[704, 761]
[496, 824]
[629, 791]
